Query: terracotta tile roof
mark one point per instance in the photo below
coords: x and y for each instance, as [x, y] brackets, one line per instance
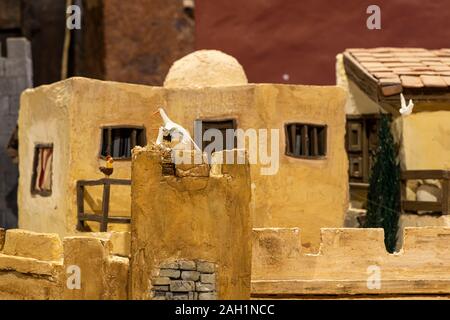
[395, 69]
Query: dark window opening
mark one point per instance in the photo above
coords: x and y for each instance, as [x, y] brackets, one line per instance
[306, 140]
[41, 182]
[118, 142]
[222, 126]
[361, 145]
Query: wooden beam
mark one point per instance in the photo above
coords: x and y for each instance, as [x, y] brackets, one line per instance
[105, 208]
[362, 78]
[80, 206]
[104, 181]
[421, 206]
[425, 174]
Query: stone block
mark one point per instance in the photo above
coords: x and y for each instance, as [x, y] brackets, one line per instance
[208, 278]
[14, 103]
[207, 296]
[180, 296]
[169, 295]
[182, 286]
[22, 83]
[15, 67]
[40, 246]
[161, 281]
[196, 171]
[171, 273]
[205, 287]
[169, 265]
[18, 48]
[161, 288]
[205, 267]
[190, 275]
[192, 296]
[187, 265]
[7, 86]
[159, 296]
[4, 106]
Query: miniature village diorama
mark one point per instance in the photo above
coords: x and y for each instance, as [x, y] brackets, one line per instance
[210, 187]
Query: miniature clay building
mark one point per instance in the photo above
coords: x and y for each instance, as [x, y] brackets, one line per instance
[80, 120]
[375, 78]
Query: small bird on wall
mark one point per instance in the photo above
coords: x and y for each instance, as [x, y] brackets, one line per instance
[108, 169]
[405, 110]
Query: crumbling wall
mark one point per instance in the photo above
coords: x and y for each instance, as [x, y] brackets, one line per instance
[195, 214]
[350, 262]
[40, 266]
[15, 76]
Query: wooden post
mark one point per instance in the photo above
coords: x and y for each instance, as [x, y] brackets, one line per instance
[80, 206]
[305, 141]
[293, 139]
[315, 142]
[133, 138]
[105, 206]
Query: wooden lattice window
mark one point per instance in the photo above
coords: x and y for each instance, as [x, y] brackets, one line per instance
[41, 182]
[306, 140]
[119, 141]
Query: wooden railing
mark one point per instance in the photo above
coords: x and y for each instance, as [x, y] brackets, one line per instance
[443, 206]
[104, 218]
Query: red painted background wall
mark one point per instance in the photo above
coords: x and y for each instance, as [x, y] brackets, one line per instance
[302, 37]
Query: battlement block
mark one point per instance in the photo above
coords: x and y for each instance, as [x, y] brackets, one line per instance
[28, 244]
[352, 241]
[435, 240]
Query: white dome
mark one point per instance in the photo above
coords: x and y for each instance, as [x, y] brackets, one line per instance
[205, 68]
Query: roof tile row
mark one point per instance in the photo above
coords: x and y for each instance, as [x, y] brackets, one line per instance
[408, 67]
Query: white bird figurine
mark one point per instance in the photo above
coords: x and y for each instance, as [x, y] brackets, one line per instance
[175, 131]
[405, 110]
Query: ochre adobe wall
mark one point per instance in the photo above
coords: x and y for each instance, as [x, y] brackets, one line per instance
[279, 266]
[197, 215]
[34, 266]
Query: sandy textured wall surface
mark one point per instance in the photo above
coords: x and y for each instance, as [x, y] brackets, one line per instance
[346, 261]
[195, 215]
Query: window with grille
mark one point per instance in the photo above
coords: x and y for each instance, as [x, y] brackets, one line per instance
[118, 142]
[222, 126]
[41, 182]
[306, 140]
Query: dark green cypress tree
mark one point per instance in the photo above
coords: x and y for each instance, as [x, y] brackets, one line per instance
[383, 201]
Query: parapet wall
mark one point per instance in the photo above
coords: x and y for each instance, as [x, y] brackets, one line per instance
[40, 266]
[190, 228]
[350, 262]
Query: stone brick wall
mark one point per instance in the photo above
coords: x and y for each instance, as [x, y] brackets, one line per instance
[185, 280]
[15, 76]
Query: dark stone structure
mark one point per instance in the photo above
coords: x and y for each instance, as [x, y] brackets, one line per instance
[15, 76]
